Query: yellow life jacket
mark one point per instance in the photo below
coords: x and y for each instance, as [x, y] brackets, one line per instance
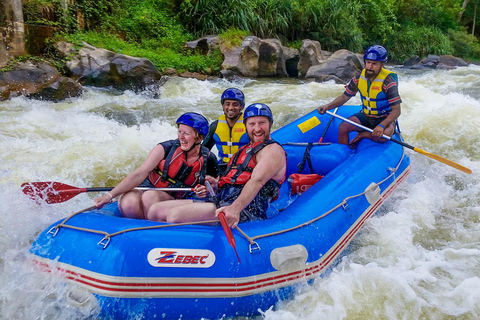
[229, 141]
[374, 99]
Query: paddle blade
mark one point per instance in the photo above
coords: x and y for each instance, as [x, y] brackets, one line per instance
[50, 192]
[228, 232]
[443, 160]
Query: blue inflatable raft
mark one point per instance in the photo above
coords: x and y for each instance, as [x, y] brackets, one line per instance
[132, 268]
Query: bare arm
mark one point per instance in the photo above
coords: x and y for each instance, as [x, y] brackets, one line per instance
[136, 177]
[378, 131]
[339, 101]
[271, 164]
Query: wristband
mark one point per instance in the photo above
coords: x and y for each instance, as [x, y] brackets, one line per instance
[380, 125]
[111, 197]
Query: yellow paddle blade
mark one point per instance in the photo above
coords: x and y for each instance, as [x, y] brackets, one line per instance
[443, 160]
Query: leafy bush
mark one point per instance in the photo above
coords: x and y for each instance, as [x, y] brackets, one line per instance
[143, 21]
[232, 37]
[414, 40]
[162, 58]
[464, 45]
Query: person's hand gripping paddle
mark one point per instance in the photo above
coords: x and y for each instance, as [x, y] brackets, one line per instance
[223, 219]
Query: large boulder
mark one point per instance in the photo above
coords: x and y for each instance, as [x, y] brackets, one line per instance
[446, 62]
[37, 79]
[341, 66]
[310, 55]
[258, 58]
[204, 45]
[451, 61]
[103, 68]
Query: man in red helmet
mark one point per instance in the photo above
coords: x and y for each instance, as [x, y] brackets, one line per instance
[378, 89]
[247, 186]
[228, 132]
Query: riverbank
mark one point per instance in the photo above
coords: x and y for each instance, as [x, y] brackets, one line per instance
[86, 65]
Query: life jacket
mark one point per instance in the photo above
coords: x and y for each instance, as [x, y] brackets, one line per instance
[173, 171]
[374, 99]
[240, 167]
[227, 139]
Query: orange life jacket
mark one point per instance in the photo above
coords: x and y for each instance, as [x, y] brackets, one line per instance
[173, 171]
[240, 167]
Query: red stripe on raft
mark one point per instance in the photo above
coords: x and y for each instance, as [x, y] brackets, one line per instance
[226, 287]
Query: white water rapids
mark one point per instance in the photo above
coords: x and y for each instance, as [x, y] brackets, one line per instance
[418, 258]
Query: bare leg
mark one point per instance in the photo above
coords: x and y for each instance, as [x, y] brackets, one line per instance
[178, 211]
[159, 210]
[345, 128]
[365, 134]
[151, 197]
[130, 204]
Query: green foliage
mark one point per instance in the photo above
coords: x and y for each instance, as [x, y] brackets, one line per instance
[334, 23]
[414, 40]
[158, 29]
[232, 37]
[42, 12]
[149, 23]
[378, 20]
[441, 14]
[162, 58]
[464, 45]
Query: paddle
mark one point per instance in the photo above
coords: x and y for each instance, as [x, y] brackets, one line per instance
[425, 153]
[328, 126]
[223, 220]
[56, 192]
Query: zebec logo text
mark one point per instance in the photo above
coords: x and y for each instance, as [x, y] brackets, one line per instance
[181, 258]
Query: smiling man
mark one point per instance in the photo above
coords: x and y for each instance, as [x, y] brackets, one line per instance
[228, 132]
[247, 186]
[378, 89]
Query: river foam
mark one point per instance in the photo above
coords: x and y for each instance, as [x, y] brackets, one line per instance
[417, 258]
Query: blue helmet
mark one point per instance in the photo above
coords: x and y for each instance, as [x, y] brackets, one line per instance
[194, 120]
[376, 53]
[233, 94]
[257, 109]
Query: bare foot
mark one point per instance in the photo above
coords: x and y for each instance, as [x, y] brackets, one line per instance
[353, 144]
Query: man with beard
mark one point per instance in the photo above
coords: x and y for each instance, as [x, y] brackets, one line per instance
[250, 182]
[378, 89]
[228, 132]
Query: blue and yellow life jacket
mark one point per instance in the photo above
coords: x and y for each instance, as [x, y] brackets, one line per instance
[374, 100]
[229, 141]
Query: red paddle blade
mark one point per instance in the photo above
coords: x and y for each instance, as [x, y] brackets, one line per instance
[50, 192]
[228, 232]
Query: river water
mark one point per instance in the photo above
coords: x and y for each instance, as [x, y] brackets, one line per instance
[418, 258]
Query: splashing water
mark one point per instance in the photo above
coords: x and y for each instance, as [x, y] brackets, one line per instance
[417, 258]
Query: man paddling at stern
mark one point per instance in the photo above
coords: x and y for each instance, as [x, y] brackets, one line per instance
[378, 89]
[247, 186]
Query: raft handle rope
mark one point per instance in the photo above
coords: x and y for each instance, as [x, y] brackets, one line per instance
[342, 204]
[253, 244]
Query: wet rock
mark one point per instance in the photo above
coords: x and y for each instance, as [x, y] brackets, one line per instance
[204, 45]
[258, 58]
[103, 68]
[310, 55]
[341, 66]
[37, 79]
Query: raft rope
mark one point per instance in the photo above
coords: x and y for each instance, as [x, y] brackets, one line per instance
[253, 245]
[344, 204]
